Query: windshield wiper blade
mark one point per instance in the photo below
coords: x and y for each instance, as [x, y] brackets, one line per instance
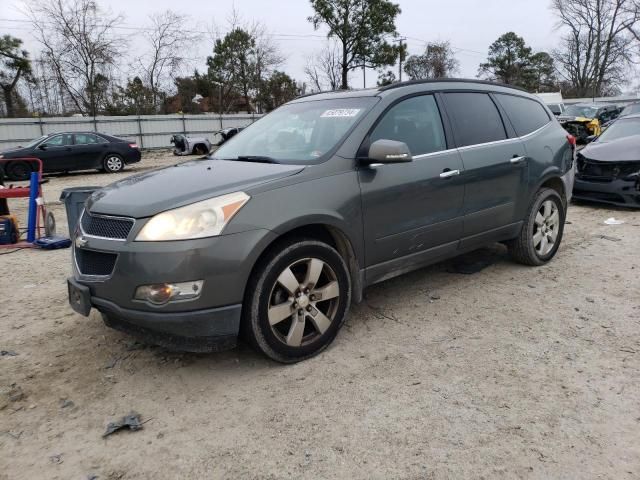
[256, 158]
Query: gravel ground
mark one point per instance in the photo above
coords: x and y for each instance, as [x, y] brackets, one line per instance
[511, 372]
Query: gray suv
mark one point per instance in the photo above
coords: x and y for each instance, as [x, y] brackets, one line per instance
[277, 232]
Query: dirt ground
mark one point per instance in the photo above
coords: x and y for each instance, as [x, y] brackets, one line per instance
[511, 372]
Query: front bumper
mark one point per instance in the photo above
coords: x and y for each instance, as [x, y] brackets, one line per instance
[208, 323]
[620, 192]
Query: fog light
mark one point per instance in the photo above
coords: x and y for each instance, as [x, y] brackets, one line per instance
[161, 293]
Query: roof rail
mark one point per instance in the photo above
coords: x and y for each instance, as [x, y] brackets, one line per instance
[448, 80]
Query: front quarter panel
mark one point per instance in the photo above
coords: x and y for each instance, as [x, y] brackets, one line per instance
[332, 200]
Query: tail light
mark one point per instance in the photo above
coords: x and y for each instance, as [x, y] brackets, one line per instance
[133, 145]
[572, 140]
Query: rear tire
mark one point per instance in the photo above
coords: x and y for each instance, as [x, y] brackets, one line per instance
[19, 171]
[542, 231]
[297, 300]
[113, 163]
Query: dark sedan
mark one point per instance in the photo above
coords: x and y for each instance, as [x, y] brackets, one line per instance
[608, 169]
[64, 152]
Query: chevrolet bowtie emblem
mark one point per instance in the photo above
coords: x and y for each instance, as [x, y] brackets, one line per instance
[81, 242]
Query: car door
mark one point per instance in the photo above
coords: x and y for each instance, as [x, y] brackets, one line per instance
[495, 165]
[55, 152]
[88, 150]
[411, 211]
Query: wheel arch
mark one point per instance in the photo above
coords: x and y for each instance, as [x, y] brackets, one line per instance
[551, 179]
[113, 152]
[200, 144]
[324, 231]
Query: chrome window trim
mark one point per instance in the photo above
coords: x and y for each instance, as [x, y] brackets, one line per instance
[431, 154]
[129, 219]
[467, 147]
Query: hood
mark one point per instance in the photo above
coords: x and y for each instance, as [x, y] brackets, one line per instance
[12, 150]
[563, 118]
[153, 192]
[625, 149]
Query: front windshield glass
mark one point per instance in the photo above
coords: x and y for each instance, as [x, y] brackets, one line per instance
[625, 127]
[631, 109]
[580, 111]
[297, 132]
[33, 143]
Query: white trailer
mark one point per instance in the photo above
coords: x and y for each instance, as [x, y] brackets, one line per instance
[554, 101]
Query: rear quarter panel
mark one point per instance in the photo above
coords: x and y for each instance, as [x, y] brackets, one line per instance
[550, 155]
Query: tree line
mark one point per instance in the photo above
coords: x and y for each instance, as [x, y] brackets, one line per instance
[79, 69]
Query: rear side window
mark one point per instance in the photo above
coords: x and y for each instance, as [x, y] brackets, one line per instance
[526, 115]
[86, 138]
[414, 121]
[475, 118]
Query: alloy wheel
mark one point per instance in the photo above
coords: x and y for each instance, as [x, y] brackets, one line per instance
[303, 302]
[114, 164]
[546, 228]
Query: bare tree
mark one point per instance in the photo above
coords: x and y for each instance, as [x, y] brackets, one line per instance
[634, 9]
[169, 41]
[79, 42]
[324, 69]
[597, 49]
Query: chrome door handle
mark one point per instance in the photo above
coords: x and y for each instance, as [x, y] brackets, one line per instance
[449, 173]
[517, 160]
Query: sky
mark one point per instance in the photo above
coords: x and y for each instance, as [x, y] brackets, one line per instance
[470, 25]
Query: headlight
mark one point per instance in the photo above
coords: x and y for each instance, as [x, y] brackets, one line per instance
[198, 220]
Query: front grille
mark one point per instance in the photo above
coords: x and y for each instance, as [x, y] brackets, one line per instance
[106, 227]
[91, 262]
[591, 169]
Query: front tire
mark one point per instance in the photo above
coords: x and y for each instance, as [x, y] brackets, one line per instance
[297, 300]
[19, 171]
[542, 231]
[113, 163]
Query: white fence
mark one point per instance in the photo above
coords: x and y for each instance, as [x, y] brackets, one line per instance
[149, 131]
[621, 100]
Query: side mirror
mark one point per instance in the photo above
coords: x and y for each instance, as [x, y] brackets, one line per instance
[388, 151]
[42, 146]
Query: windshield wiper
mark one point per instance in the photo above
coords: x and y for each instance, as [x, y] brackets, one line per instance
[256, 158]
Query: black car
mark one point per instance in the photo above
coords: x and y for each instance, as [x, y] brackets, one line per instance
[608, 169]
[64, 152]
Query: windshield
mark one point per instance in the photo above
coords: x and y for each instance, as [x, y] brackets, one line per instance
[625, 127]
[33, 143]
[631, 109]
[297, 132]
[580, 111]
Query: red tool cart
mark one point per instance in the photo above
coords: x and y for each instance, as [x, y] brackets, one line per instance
[44, 221]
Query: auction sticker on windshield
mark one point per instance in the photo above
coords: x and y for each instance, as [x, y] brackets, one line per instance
[341, 112]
